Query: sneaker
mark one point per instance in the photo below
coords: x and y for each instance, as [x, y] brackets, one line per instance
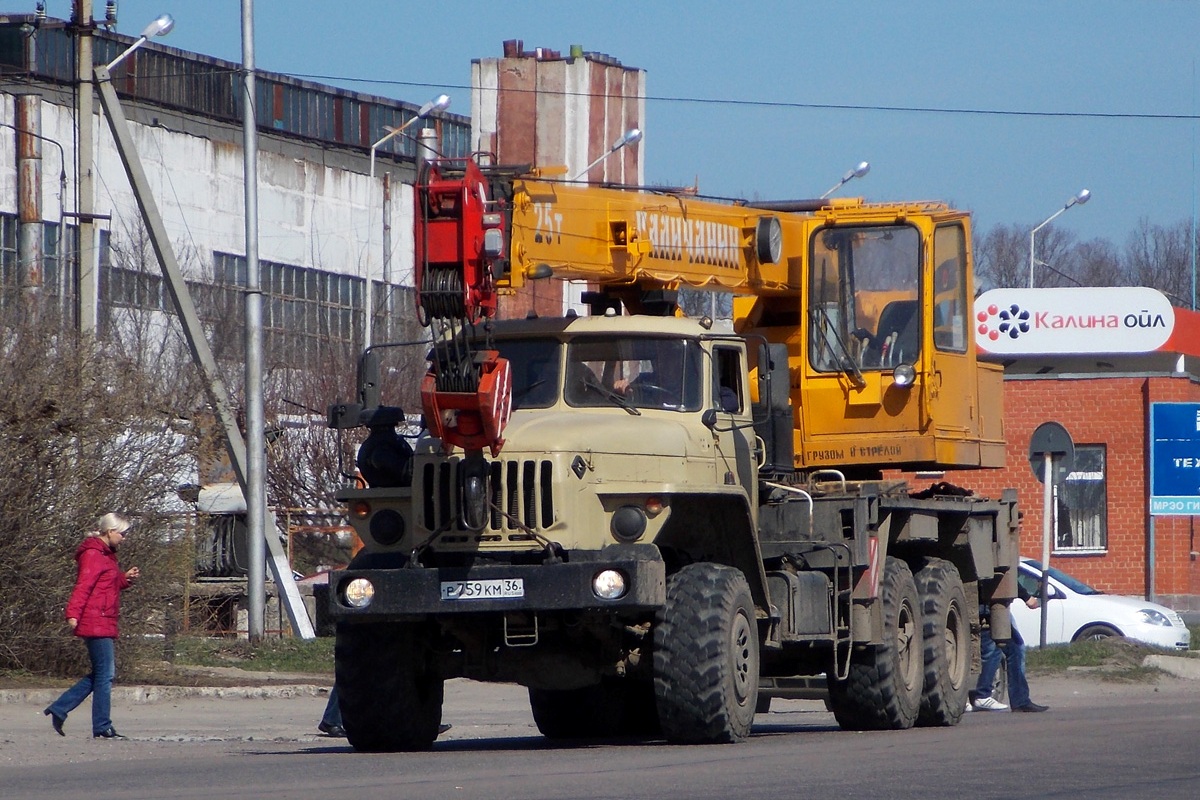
[989, 704]
[332, 730]
[1032, 707]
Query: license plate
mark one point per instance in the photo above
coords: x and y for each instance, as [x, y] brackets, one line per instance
[483, 590]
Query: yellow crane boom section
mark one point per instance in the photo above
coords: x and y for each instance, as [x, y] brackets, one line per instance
[619, 236]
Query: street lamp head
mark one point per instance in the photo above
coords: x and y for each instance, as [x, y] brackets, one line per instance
[439, 103]
[160, 27]
[1081, 198]
[631, 136]
[862, 169]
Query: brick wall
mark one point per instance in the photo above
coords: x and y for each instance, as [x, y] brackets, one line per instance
[1113, 411]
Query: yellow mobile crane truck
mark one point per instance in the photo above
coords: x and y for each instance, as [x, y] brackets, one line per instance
[643, 518]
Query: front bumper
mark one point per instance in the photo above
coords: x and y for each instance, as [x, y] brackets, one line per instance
[408, 592]
[1172, 638]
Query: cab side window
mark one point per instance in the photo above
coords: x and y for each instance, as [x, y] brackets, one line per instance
[727, 379]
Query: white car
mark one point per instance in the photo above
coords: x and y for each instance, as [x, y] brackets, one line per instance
[1077, 611]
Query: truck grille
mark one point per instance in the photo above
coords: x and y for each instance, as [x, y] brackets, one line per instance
[521, 493]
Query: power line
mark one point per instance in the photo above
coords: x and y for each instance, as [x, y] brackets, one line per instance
[992, 112]
[720, 101]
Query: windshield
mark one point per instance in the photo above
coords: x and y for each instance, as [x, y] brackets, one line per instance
[863, 298]
[639, 372]
[535, 367]
[1071, 582]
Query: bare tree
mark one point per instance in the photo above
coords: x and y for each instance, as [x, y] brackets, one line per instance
[1160, 257]
[83, 432]
[1002, 258]
[1098, 263]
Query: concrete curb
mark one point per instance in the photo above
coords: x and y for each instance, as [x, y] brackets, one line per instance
[1179, 666]
[138, 695]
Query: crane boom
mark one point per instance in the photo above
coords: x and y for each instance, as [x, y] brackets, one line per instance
[870, 299]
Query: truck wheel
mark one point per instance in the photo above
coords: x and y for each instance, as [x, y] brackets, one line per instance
[706, 656]
[883, 688]
[389, 686]
[947, 640]
[615, 707]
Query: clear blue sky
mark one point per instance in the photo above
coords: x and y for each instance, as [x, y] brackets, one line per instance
[1117, 69]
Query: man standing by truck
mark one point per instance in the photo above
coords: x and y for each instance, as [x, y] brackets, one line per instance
[1014, 654]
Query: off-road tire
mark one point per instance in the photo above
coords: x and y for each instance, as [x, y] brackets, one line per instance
[706, 656]
[615, 707]
[389, 686]
[883, 688]
[947, 643]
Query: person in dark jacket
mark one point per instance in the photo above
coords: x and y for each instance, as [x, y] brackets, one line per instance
[92, 613]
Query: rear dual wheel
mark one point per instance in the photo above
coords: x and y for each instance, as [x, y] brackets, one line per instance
[946, 642]
[883, 688]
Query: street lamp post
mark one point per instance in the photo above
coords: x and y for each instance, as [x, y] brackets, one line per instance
[1079, 199]
[862, 169]
[439, 103]
[631, 136]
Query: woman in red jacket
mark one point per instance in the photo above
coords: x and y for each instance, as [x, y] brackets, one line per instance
[92, 613]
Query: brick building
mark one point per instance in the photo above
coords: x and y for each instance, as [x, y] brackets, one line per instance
[1096, 361]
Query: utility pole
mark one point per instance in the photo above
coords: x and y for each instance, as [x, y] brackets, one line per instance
[256, 494]
[87, 287]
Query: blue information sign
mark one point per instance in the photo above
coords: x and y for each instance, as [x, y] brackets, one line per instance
[1174, 459]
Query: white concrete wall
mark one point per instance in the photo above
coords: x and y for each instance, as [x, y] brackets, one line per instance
[310, 214]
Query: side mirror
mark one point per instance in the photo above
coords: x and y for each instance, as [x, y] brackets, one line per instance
[709, 418]
[344, 415]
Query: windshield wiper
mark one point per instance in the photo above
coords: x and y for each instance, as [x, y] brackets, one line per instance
[614, 397]
[845, 361]
[521, 393]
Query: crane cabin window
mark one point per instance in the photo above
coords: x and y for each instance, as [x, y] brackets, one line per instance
[863, 298]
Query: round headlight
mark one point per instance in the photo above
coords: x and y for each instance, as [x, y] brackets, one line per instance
[358, 593]
[609, 584]
[387, 526]
[628, 523]
[904, 375]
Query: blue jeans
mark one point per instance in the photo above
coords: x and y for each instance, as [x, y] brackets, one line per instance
[1014, 651]
[98, 684]
[333, 712]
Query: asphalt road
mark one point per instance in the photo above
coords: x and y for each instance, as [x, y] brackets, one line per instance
[1099, 740]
